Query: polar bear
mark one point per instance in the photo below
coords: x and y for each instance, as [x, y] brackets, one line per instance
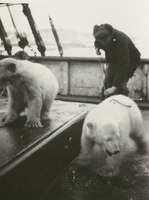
[112, 130]
[29, 85]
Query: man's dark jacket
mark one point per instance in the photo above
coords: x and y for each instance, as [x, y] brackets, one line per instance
[121, 54]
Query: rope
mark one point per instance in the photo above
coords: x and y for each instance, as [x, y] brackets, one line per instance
[17, 32]
[114, 100]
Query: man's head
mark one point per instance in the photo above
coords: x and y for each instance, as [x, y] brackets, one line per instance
[103, 36]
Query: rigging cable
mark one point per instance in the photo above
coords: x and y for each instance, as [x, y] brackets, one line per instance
[23, 42]
[38, 39]
[20, 23]
[5, 39]
[59, 46]
[56, 36]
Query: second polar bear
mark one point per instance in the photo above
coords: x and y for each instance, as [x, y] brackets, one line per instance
[30, 85]
[111, 131]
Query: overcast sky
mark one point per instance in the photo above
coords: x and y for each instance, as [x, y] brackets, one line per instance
[130, 16]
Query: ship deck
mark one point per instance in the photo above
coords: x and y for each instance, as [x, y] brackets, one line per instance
[40, 163]
[77, 183]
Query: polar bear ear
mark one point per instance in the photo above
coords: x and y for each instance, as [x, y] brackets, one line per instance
[90, 125]
[11, 67]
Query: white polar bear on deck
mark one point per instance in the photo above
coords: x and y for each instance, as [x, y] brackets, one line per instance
[111, 131]
[30, 85]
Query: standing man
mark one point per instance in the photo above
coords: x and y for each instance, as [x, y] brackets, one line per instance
[121, 54]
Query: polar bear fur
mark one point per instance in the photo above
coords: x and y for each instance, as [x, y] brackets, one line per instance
[30, 85]
[112, 130]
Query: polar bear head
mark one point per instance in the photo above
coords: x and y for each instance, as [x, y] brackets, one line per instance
[7, 70]
[105, 133]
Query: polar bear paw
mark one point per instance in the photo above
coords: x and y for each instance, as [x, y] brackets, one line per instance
[33, 124]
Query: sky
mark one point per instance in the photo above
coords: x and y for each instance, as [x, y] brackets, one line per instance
[129, 16]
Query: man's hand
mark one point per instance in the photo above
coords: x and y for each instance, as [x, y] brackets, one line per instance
[98, 51]
[110, 91]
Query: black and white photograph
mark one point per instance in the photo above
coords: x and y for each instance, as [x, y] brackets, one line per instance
[74, 100]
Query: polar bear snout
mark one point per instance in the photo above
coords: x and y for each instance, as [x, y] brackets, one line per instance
[112, 148]
[112, 153]
[116, 152]
[109, 153]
